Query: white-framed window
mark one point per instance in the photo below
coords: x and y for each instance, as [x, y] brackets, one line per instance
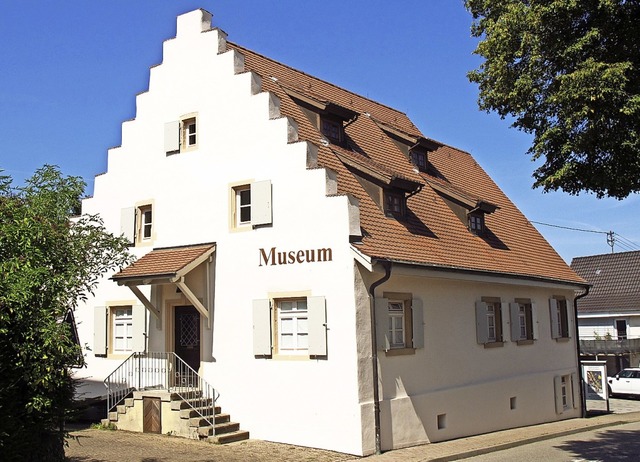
[399, 322]
[559, 317]
[136, 224]
[119, 330]
[564, 392]
[489, 321]
[396, 324]
[251, 204]
[181, 135]
[146, 222]
[122, 329]
[243, 205]
[524, 323]
[290, 326]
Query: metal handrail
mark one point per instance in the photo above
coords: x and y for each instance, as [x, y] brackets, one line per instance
[161, 370]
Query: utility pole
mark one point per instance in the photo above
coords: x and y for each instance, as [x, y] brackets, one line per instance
[611, 240]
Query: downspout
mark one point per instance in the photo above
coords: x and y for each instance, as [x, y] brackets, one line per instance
[374, 350]
[583, 401]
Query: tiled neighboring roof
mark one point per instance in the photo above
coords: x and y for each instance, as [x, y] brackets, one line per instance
[431, 234]
[616, 282]
[163, 262]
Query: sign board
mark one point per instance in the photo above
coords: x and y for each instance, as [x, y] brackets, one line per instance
[594, 376]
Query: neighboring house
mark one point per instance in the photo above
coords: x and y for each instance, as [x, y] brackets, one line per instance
[340, 279]
[609, 316]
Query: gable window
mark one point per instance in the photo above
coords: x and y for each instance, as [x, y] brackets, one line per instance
[489, 321]
[146, 222]
[399, 323]
[523, 321]
[251, 205]
[189, 132]
[136, 224]
[476, 223]
[394, 203]
[559, 317]
[295, 326]
[181, 135]
[331, 129]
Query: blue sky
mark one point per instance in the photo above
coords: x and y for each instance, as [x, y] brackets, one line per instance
[69, 73]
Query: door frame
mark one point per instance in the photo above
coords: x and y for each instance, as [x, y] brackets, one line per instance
[170, 317]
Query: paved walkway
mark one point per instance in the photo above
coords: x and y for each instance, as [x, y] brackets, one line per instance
[101, 445]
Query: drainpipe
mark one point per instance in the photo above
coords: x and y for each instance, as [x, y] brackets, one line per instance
[583, 401]
[374, 350]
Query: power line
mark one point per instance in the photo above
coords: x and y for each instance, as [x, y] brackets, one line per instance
[572, 229]
[612, 238]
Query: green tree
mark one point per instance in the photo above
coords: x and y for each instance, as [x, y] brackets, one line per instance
[48, 262]
[568, 72]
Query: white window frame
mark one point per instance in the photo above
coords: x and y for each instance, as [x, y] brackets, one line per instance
[523, 317]
[298, 332]
[146, 222]
[121, 317]
[104, 329]
[267, 327]
[412, 323]
[565, 395]
[396, 318]
[560, 318]
[259, 204]
[181, 135]
[490, 314]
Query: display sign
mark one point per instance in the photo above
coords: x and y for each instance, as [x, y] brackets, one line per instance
[273, 256]
[594, 376]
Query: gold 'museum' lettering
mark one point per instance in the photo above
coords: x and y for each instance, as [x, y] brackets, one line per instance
[275, 257]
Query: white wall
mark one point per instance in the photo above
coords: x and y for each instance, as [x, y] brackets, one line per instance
[456, 376]
[307, 402]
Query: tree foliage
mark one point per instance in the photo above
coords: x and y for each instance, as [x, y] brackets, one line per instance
[47, 263]
[568, 72]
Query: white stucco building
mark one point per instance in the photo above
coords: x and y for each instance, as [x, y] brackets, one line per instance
[341, 280]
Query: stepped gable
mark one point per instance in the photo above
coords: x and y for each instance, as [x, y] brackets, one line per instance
[431, 234]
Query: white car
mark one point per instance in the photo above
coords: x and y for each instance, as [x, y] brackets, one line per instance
[625, 382]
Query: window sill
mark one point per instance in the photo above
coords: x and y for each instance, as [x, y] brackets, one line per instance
[290, 357]
[400, 352]
[525, 342]
[494, 344]
[563, 339]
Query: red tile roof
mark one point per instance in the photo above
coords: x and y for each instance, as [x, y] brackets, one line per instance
[165, 262]
[616, 282]
[431, 234]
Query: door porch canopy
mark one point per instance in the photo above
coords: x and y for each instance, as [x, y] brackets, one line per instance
[169, 265]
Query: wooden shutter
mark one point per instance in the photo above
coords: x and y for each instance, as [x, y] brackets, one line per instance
[504, 310]
[100, 330]
[574, 390]
[261, 327]
[514, 311]
[261, 203]
[382, 323]
[139, 326]
[172, 136]
[553, 317]
[317, 322]
[128, 223]
[534, 321]
[417, 318]
[557, 385]
[570, 320]
[482, 329]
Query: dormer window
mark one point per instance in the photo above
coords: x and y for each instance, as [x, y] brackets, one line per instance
[419, 159]
[476, 222]
[331, 129]
[394, 203]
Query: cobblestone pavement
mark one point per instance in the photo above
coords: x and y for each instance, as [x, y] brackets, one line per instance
[95, 445]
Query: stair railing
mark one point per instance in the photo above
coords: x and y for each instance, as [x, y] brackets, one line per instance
[162, 371]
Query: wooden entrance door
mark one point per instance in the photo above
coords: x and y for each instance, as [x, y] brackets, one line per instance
[152, 420]
[187, 335]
